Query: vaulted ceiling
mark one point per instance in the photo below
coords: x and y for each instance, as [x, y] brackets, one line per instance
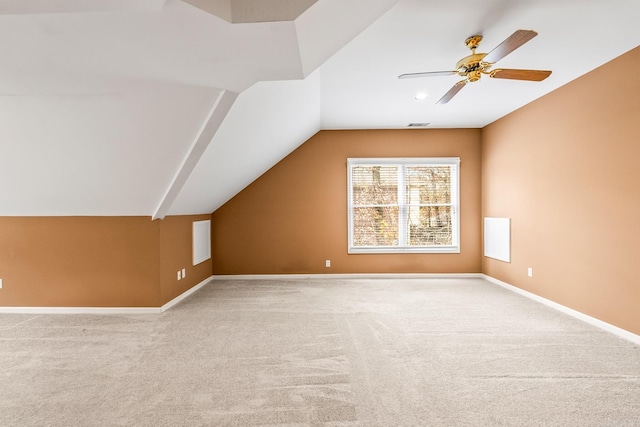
[156, 107]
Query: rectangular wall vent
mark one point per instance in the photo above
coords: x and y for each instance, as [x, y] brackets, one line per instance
[201, 242]
[418, 125]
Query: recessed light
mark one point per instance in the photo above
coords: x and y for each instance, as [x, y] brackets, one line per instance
[420, 96]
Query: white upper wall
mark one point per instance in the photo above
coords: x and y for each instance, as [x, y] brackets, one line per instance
[103, 102]
[95, 154]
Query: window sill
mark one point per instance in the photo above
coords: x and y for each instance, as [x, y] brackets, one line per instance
[416, 250]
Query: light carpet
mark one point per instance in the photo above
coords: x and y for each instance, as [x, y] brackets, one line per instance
[377, 352]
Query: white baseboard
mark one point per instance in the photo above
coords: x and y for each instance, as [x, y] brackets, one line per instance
[185, 294]
[348, 276]
[104, 310]
[80, 310]
[622, 333]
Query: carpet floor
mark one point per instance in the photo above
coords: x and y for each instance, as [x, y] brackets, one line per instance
[377, 352]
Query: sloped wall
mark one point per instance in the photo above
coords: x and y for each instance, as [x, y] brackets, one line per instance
[294, 217]
[566, 170]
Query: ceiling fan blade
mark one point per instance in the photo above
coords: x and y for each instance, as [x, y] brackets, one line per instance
[512, 42]
[452, 92]
[426, 74]
[531, 75]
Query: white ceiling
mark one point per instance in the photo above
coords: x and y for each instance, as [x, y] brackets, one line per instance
[110, 107]
[360, 88]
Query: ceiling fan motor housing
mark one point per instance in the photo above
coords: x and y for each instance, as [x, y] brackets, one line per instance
[472, 66]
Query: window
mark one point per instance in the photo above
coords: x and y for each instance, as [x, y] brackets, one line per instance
[404, 205]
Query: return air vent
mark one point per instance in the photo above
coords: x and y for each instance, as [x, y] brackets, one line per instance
[418, 125]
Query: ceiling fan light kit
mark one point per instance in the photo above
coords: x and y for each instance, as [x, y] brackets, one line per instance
[473, 66]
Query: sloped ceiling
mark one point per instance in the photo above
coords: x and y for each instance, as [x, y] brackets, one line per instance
[251, 140]
[247, 11]
[111, 107]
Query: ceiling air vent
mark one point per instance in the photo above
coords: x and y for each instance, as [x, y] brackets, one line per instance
[418, 125]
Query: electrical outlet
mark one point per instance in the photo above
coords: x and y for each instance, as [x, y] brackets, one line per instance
[184, 273]
[0, 283]
[327, 263]
[179, 274]
[530, 272]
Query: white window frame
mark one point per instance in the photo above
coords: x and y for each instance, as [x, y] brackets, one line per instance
[402, 163]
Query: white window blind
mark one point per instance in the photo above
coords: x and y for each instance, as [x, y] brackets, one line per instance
[403, 205]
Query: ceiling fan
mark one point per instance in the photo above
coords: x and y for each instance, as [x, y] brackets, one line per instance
[472, 67]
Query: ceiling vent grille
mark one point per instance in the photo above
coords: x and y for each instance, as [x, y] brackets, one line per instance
[418, 125]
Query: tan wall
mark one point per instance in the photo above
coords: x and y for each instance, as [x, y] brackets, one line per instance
[176, 254]
[95, 261]
[294, 217]
[79, 261]
[566, 170]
